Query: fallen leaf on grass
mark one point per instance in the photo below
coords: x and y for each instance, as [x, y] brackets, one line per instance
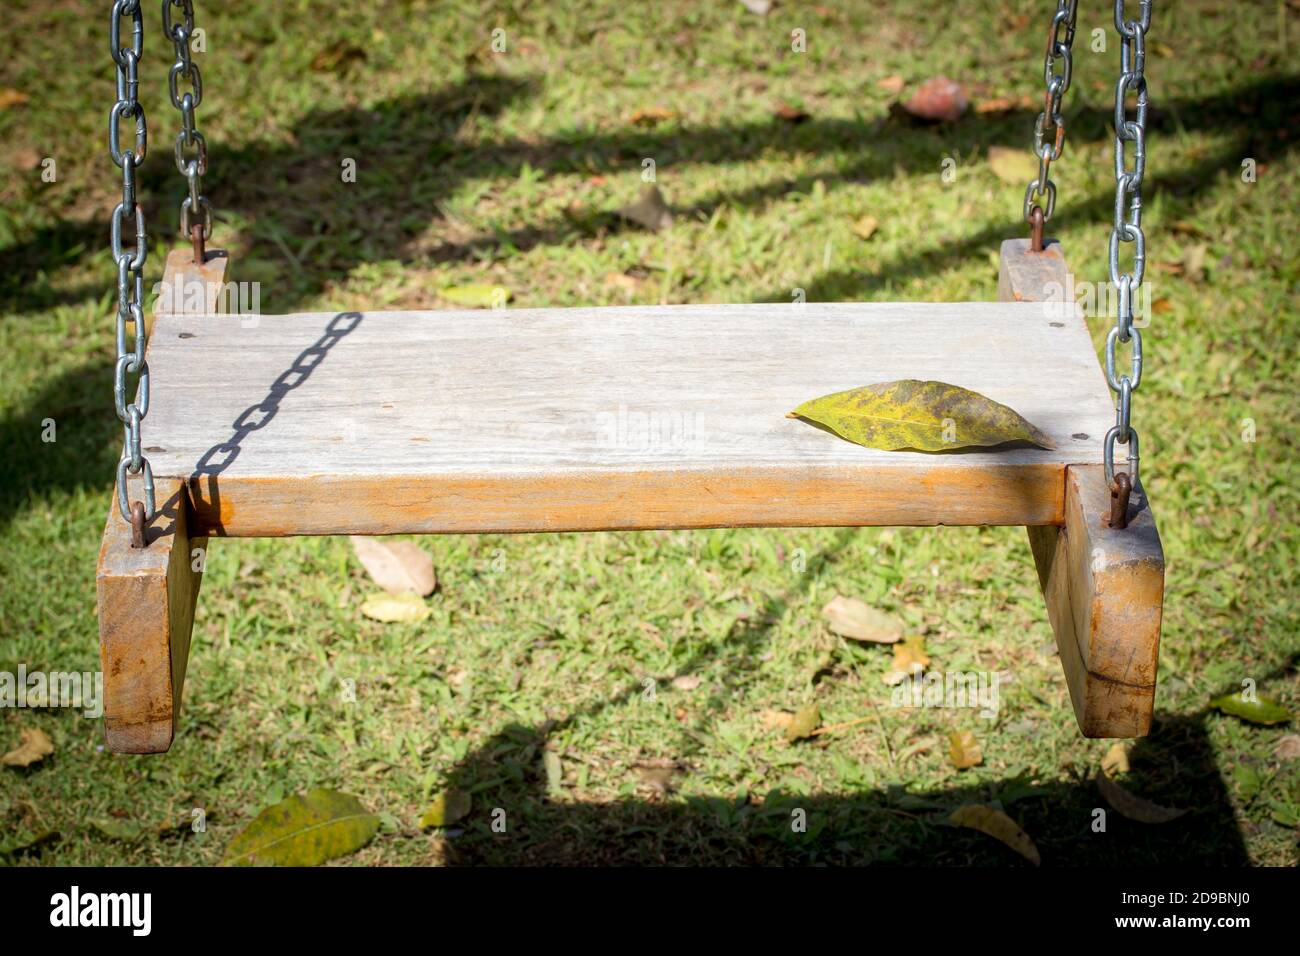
[865, 227]
[909, 659]
[775, 719]
[1116, 760]
[859, 621]
[1012, 165]
[939, 99]
[477, 294]
[1194, 262]
[686, 682]
[124, 831]
[791, 114]
[447, 808]
[924, 745]
[1134, 807]
[396, 566]
[1259, 710]
[623, 281]
[392, 608]
[338, 58]
[11, 97]
[303, 830]
[805, 720]
[659, 779]
[964, 751]
[34, 745]
[910, 414]
[1004, 104]
[554, 770]
[998, 825]
[892, 83]
[1288, 748]
[650, 116]
[650, 211]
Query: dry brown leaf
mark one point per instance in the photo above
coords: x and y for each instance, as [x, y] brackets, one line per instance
[791, 114]
[939, 99]
[658, 779]
[859, 621]
[650, 211]
[11, 97]
[998, 825]
[909, 658]
[1288, 747]
[865, 227]
[650, 116]
[1116, 760]
[394, 608]
[1004, 104]
[1134, 807]
[396, 566]
[891, 84]
[622, 280]
[964, 750]
[34, 745]
[1194, 262]
[775, 719]
[686, 682]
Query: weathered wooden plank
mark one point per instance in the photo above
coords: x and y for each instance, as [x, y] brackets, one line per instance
[146, 610]
[1104, 589]
[594, 419]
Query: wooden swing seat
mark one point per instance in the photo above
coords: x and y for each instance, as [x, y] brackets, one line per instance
[595, 419]
[618, 418]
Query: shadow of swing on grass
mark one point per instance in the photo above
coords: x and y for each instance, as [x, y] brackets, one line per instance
[1174, 767]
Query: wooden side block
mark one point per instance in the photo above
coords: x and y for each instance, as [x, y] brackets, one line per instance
[191, 289]
[147, 596]
[1025, 276]
[1104, 589]
[146, 611]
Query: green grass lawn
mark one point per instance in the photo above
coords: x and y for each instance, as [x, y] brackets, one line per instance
[475, 166]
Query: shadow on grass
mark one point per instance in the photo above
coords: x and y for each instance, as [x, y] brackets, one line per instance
[890, 825]
[1174, 767]
[409, 162]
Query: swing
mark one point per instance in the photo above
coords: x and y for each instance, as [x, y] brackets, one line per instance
[590, 419]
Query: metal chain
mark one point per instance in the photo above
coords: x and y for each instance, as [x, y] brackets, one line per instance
[195, 166]
[1128, 203]
[1049, 128]
[130, 261]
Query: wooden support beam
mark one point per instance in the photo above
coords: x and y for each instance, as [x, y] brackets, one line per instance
[1104, 587]
[146, 611]
[147, 595]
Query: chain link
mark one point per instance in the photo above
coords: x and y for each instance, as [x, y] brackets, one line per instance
[1049, 128]
[130, 259]
[1127, 228]
[195, 165]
